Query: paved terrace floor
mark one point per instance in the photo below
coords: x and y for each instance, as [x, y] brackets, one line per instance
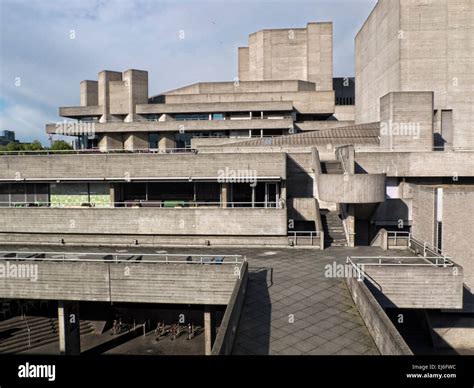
[291, 307]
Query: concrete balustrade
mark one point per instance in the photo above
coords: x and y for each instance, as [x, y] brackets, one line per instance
[351, 188]
[146, 221]
[136, 166]
[123, 282]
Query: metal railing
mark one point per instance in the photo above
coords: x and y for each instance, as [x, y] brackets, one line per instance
[340, 157]
[95, 151]
[171, 204]
[28, 329]
[311, 235]
[412, 149]
[414, 244]
[131, 257]
[400, 261]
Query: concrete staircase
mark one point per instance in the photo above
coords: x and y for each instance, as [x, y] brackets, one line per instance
[333, 229]
[331, 167]
[43, 331]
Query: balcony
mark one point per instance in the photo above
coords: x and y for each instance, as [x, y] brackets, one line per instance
[138, 166]
[180, 221]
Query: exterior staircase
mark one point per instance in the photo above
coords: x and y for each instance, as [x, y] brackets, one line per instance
[43, 330]
[333, 229]
[331, 167]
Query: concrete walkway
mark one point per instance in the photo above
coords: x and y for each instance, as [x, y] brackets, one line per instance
[291, 306]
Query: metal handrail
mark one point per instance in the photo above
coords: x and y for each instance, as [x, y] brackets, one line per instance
[124, 257]
[341, 159]
[27, 329]
[426, 261]
[312, 235]
[95, 151]
[365, 274]
[413, 149]
[178, 204]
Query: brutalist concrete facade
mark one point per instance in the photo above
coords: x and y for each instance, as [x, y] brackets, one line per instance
[416, 45]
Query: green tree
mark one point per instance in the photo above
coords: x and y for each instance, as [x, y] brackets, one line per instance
[60, 145]
[35, 146]
[12, 146]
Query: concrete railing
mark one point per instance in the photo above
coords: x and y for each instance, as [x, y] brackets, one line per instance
[243, 221]
[351, 188]
[135, 281]
[177, 125]
[385, 335]
[411, 281]
[228, 328]
[132, 166]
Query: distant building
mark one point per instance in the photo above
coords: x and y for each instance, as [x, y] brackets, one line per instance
[7, 137]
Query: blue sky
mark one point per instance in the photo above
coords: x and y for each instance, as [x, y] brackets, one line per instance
[41, 66]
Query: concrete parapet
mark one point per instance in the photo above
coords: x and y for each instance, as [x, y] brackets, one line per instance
[385, 335]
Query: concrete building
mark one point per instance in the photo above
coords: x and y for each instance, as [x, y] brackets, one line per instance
[408, 45]
[286, 155]
[7, 137]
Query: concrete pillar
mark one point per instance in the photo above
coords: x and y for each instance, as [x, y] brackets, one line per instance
[224, 194]
[351, 225]
[110, 141]
[89, 93]
[136, 141]
[69, 328]
[209, 328]
[166, 141]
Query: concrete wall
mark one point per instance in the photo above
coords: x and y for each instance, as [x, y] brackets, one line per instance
[136, 166]
[284, 85]
[105, 78]
[458, 229]
[417, 164]
[417, 45]
[228, 328]
[243, 66]
[89, 93]
[406, 121]
[320, 102]
[145, 221]
[351, 188]
[377, 59]
[422, 287]
[216, 107]
[124, 282]
[298, 54]
[385, 335]
[423, 227]
[300, 180]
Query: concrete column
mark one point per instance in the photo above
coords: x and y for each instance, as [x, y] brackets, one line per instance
[351, 225]
[166, 141]
[136, 141]
[112, 141]
[209, 328]
[224, 194]
[69, 328]
[112, 193]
